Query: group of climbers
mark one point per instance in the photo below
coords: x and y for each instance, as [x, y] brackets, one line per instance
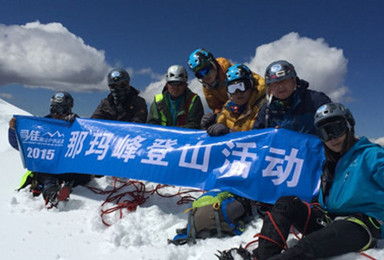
[242, 100]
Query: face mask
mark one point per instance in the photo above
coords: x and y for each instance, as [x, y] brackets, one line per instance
[57, 109]
[120, 95]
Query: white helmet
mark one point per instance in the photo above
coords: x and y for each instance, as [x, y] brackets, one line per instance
[177, 73]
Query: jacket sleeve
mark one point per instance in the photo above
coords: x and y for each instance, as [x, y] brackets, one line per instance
[154, 115]
[320, 99]
[141, 113]
[215, 98]
[99, 112]
[377, 165]
[260, 119]
[221, 118]
[259, 80]
[12, 138]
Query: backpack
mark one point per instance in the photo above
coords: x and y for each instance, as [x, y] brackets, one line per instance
[215, 214]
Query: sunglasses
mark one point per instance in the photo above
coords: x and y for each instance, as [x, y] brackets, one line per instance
[117, 85]
[332, 130]
[204, 71]
[176, 83]
[237, 87]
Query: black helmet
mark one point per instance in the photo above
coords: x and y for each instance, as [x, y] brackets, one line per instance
[278, 71]
[117, 76]
[333, 120]
[239, 72]
[61, 103]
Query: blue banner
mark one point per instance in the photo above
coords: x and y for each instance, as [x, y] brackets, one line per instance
[260, 164]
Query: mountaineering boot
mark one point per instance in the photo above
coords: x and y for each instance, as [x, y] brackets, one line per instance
[276, 226]
[64, 192]
[235, 253]
[50, 195]
[55, 193]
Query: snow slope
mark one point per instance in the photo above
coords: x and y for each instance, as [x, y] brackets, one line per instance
[74, 230]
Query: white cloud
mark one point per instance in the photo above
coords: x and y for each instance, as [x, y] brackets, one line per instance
[196, 87]
[150, 72]
[324, 67]
[151, 90]
[379, 141]
[49, 56]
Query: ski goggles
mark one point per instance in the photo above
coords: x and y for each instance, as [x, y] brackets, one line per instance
[201, 73]
[332, 130]
[239, 86]
[56, 109]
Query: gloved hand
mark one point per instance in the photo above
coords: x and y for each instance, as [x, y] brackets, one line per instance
[207, 120]
[12, 123]
[70, 118]
[217, 130]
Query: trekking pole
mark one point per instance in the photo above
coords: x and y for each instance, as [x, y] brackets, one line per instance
[268, 110]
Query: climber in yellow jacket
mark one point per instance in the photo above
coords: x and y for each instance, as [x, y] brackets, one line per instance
[246, 91]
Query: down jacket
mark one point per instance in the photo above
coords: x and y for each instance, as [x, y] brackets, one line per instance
[299, 117]
[135, 109]
[245, 120]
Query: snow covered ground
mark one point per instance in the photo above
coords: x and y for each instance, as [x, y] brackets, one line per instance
[74, 230]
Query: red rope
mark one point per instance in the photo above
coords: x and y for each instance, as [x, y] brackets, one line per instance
[252, 242]
[305, 224]
[277, 230]
[367, 256]
[138, 196]
[296, 235]
[285, 246]
[183, 199]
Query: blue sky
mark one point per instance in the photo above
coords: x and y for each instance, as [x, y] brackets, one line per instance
[338, 46]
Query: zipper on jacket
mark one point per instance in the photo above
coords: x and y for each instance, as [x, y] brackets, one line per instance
[342, 185]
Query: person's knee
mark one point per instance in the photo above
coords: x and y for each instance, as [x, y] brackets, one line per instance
[287, 205]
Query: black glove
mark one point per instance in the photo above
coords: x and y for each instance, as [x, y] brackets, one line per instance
[217, 130]
[207, 120]
[70, 118]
